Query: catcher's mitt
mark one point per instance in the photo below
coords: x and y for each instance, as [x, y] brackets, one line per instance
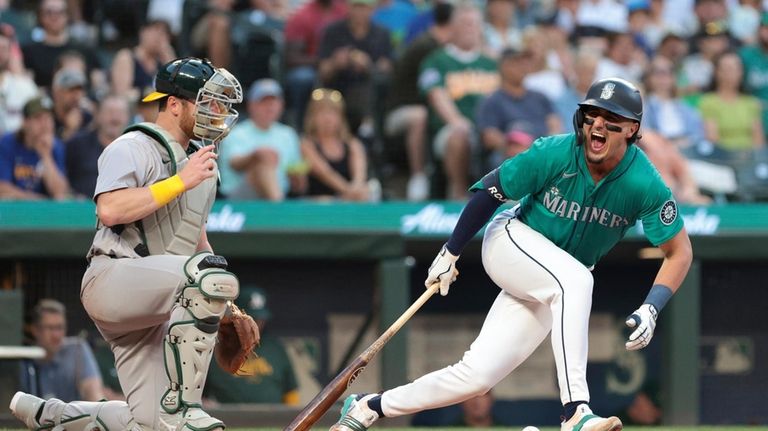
[238, 336]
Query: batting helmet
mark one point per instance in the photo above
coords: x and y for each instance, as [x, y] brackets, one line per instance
[615, 95]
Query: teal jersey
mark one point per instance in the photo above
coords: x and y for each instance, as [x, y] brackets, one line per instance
[559, 199]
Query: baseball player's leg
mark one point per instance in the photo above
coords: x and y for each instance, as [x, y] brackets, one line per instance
[141, 370]
[151, 292]
[529, 266]
[191, 337]
[124, 295]
[37, 413]
[517, 326]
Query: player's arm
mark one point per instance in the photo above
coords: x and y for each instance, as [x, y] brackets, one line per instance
[126, 205]
[678, 255]
[442, 103]
[481, 206]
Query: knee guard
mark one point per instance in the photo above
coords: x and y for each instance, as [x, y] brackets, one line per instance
[190, 341]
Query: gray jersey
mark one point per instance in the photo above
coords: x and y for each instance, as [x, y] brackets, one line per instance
[136, 160]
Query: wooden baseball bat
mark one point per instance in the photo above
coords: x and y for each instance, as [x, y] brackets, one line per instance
[332, 391]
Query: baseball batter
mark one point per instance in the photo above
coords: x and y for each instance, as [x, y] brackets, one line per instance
[578, 195]
[153, 288]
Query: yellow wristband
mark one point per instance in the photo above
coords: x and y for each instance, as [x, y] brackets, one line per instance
[166, 190]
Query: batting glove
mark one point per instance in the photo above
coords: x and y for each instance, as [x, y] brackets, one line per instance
[443, 270]
[644, 320]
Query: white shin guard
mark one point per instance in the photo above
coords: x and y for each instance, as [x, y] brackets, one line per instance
[190, 341]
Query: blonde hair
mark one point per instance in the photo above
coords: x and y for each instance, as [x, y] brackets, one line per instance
[325, 98]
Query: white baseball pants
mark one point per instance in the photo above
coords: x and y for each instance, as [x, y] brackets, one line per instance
[543, 289]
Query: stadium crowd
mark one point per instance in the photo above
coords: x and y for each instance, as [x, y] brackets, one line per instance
[364, 100]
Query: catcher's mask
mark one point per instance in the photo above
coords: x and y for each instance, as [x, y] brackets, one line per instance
[215, 116]
[614, 95]
[213, 90]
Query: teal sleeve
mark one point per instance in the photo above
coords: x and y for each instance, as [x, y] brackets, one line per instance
[522, 174]
[661, 216]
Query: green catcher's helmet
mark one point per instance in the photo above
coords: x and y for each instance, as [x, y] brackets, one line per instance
[182, 77]
[213, 90]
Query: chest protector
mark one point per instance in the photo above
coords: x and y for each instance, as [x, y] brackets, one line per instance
[174, 228]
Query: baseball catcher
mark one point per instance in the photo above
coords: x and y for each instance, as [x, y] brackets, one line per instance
[153, 286]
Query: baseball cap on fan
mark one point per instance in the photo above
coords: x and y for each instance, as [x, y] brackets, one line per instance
[253, 301]
[69, 78]
[37, 105]
[264, 88]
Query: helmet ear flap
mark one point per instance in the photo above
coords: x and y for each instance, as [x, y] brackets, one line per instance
[578, 124]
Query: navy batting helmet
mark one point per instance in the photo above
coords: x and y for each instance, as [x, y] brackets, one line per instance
[615, 95]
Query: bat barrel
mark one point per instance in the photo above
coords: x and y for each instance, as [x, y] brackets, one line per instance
[325, 399]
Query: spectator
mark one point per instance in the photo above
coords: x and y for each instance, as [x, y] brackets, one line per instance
[610, 15]
[355, 55]
[697, 69]
[209, 35]
[513, 116]
[15, 88]
[624, 58]
[422, 21]
[499, 30]
[743, 20]
[549, 65]
[707, 13]
[256, 37]
[72, 59]
[755, 60]
[32, 159]
[666, 114]
[68, 371]
[170, 11]
[16, 17]
[395, 16]
[585, 65]
[133, 68]
[655, 26]
[338, 166]
[303, 31]
[270, 376]
[673, 168]
[407, 112]
[455, 79]
[732, 119]
[84, 149]
[69, 113]
[261, 158]
[41, 56]
[247, 41]
[639, 25]
[673, 47]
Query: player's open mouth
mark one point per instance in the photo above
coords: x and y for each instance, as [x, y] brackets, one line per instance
[596, 141]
